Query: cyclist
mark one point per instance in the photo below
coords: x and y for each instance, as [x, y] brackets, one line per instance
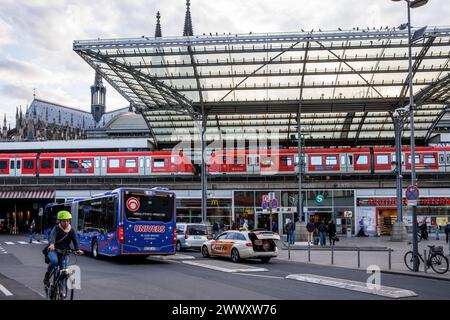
[60, 238]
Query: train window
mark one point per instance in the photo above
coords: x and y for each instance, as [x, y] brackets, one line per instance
[316, 160]
[28, 164]
[286, 161]
[114, 163]
[382, 159]
[141, 163]
[416, 161]
[441, 159]
[56, 164]
[46, 164]
[362, 159]
[173, 160]
[63, 164]
[429, 159]
[3, 164]
[97, 163]
[331, 161]
[448, 159]
[343, 161]
[103, 163]
[86, 164]
[158, 163]
[18, 164]
[350, 160]
[12, 164]
[130, 163]
[147, 163]
[73, 164]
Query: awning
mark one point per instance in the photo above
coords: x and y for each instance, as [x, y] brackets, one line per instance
[42, 194]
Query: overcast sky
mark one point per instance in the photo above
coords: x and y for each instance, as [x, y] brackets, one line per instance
[36, 36]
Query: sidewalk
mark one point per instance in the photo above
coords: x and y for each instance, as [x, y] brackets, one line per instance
[373, 251]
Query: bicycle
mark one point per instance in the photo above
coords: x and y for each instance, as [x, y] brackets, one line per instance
[57, 288]
[436, 259]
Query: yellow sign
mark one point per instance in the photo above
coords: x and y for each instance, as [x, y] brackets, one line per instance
[441, 221]
[214, 202]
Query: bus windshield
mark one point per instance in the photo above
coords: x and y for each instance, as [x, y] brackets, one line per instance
[142, 207]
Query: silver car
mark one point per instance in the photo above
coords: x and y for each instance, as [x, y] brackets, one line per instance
[191, 235]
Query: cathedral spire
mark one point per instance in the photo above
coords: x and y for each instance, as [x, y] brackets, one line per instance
[98, 97]
[188, 21]
[158, 33]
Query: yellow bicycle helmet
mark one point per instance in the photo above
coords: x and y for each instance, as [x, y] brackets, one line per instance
[64, 215]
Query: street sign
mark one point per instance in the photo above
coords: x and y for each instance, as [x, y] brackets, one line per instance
[264, 205]
[319, 198]
[412, 193]
[274, 203]
[412, 203]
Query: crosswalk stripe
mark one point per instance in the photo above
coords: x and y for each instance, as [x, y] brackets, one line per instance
[5, 291]
[45, 241]
[10, 243]
[22, 242]
[224, 266]
[383, 291]
[36, 242]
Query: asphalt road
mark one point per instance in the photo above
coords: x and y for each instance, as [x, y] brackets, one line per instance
[22, 269]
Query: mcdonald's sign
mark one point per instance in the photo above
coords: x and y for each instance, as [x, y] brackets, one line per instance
[215, 202]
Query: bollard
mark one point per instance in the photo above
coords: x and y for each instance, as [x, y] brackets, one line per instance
[390, 258]
[289, 249]
[425, 260]
[359, 259]
[332, 254]
[309, 252]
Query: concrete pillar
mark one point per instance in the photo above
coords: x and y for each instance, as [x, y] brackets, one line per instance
[399, 232]
[300, 234]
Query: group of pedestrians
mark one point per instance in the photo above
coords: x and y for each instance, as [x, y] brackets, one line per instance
[318, 233]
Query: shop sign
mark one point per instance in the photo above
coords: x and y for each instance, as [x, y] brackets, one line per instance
[392, 202]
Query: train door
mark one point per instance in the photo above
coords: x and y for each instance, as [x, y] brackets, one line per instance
[447, 167]
[141, 166]
[441, 161]
[97, 166]
[147, 163]
[253, 165]
[62, 166]
[56, 165]
[103, 170]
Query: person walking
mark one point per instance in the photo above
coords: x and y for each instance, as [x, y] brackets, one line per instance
[447, 231]
[215, 230]
[322, 233]
[423, 231]
[331, 232]
[32, 232]
[289, 228]
[310, 227]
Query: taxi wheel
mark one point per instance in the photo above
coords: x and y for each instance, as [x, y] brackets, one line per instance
[235, 257]
[205, 252]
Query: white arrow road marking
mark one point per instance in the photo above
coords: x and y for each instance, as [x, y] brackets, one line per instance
[225, 266]
[5, 291]
[383, 291]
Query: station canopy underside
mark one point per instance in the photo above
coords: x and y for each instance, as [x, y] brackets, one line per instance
[345, 83]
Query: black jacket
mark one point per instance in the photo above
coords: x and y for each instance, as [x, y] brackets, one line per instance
[332, 229]
[62, 239]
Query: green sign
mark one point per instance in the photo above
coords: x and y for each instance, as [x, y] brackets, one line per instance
[319, 198]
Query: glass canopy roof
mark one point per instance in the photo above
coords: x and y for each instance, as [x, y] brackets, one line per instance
[345, 84]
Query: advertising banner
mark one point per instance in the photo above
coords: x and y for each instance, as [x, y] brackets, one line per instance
[366, 216]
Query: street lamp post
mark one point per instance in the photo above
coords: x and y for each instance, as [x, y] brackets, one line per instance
[412, 4]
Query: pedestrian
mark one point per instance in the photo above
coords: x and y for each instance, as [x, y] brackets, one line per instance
[245, 225]
[322, 233]
[331, 232]
[423, 231]
[215, 230]
[289, 228]
[310, 227]
[447, 231]
[275, 227]
[32, 231]
[436, 231]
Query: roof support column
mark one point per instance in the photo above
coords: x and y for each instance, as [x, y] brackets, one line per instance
[300, 165]
[204, 180]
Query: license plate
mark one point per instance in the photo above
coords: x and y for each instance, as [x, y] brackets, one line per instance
[150, 248]
[198, 238]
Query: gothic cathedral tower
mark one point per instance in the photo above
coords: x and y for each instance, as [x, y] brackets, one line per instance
[98, 98]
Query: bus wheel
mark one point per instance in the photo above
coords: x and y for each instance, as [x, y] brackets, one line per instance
[95, 249]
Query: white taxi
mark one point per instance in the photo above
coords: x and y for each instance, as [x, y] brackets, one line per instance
[237, 245]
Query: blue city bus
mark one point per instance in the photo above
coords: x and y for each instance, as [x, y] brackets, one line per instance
[127, 221]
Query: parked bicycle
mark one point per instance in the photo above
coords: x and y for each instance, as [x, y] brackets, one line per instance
[58, 288]
[436, 259]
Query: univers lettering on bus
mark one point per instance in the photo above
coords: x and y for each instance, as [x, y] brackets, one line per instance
[157, 229]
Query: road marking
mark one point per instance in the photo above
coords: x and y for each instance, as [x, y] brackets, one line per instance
[11, 243]
[225, 266]
[44, 241]
[174, 257]
[5, 291]
[22, 242]
[383, 291]
[257, 275]
[36, 242]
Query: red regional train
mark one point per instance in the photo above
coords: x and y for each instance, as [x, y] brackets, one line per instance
[223, 162]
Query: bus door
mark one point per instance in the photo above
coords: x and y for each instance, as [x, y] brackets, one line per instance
[253, 165]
